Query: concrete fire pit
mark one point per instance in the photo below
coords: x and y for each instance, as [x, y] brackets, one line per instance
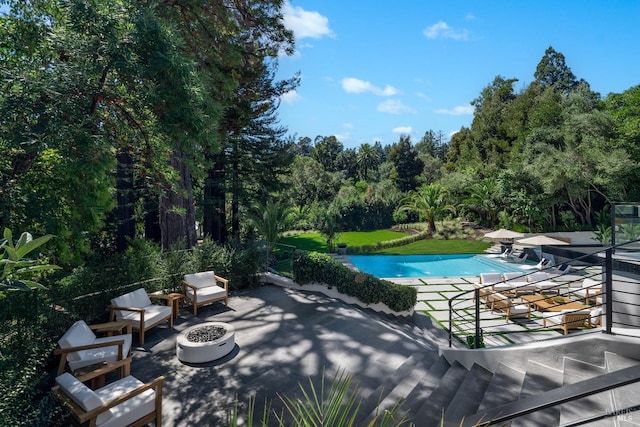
[205, 342]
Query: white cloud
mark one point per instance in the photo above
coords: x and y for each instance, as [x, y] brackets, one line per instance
[306, 24]
[342, 136]
[442, 30]
[394, 106]
[403, 130]
[291, 97]
[423, 96]
[461, 110]
[353, 85]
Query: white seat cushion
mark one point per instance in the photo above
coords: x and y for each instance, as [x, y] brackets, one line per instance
[153, 314]
[519, 309]
[208, 293]
[101, 354]
[86, 398]
[131, 409]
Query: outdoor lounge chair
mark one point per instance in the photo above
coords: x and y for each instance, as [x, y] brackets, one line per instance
[567, 319]
[508, 306]
[79, 346]
[561, 269]
[495, 280]
[521, 257]
[507, 253]
[539, 279]
[518, 283]
[202, 288]
[590, 289]
[125, 402]
[136, 306]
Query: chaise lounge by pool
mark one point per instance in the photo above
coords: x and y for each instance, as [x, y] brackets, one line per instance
[390, 266]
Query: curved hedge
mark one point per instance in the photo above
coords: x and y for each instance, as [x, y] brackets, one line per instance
[311, 267]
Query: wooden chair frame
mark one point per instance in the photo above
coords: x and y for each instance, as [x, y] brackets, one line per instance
[143, 327]
[115, 327]
[197, 303]
[81, 416]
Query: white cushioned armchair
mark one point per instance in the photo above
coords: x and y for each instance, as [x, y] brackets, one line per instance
[204, 288]
[136, 306]
[79, 346]
[125, 402]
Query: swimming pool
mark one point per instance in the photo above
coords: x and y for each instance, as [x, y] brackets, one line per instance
[431, 265]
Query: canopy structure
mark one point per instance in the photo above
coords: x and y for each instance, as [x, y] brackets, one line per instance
[503, 233]
[541, 240]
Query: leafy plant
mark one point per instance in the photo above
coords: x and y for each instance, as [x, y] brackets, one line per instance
[334, 405]
[18, 271]
[603, 234]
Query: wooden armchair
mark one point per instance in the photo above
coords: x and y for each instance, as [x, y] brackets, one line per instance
[125, 402]
[136, 307]
[203, 288]
[568, 319]
[80, 347]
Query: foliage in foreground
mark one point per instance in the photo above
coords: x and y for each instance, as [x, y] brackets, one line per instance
[335, 406]
[31, 322]
[320, 268]
[17, 271]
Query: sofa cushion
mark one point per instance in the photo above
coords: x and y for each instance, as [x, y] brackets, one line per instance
[489, 278]
[136, 299]
[130, 410]
[153, 314]
[208, 293]
[201, 280]
[77, 335]
[102, 354]
[86, 398]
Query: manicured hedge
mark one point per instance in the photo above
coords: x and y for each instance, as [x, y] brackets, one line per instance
[312, 267]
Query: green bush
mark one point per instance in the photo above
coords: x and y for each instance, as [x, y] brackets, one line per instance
[316, 267]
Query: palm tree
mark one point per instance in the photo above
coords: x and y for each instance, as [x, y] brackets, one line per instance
[271, 219]
[429, 202]
[367, 158]
[481, 200]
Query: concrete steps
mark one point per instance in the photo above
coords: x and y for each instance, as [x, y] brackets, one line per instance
[427, 389]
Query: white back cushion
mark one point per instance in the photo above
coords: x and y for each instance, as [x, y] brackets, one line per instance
[537, 276]
[201, 280]
[489, 278]
[86, 398]
[77, 335]
[136, 299]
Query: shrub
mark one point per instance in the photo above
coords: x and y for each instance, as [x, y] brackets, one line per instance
[316, 267]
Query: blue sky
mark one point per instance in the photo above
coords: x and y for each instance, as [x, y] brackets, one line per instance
[374, 70]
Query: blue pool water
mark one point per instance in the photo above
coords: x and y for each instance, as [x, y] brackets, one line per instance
[431, 265]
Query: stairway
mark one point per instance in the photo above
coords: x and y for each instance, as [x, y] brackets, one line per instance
[461, 383]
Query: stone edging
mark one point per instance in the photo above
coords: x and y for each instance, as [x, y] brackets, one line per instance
[285, 282]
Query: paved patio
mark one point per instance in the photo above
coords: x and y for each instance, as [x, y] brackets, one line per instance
[286, 336]
[283, 338]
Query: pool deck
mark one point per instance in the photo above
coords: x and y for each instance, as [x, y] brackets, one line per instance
[434, 294]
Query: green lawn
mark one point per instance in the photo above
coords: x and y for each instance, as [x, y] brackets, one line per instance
[316, 242]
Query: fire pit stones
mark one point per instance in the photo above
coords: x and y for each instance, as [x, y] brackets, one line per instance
[205, 342]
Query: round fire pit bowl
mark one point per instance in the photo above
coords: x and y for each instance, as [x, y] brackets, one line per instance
[205, 342]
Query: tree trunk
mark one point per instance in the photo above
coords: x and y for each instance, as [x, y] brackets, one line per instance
[214, 212]
[152, 218]
[125, 196]
[177, 208]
